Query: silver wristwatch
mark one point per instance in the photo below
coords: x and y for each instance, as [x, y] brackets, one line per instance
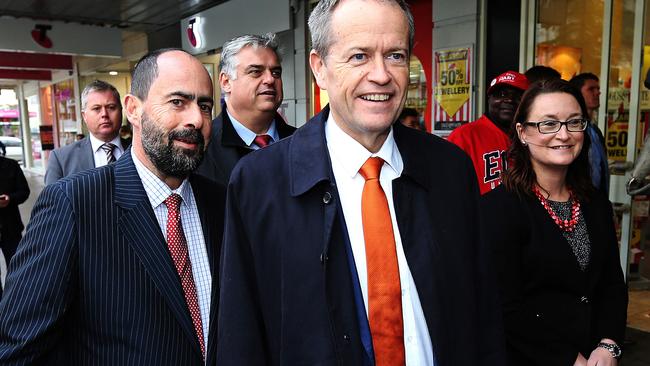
[613, 348]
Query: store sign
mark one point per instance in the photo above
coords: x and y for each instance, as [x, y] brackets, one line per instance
[452, 88]
[210, 29]
[59, 37]
[195, 32]
[47, 137]
[39, 35]
[616, 141]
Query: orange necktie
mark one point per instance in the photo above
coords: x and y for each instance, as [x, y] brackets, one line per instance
[384, 290]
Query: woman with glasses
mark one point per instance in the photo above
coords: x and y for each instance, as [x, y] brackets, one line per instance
[562, 291]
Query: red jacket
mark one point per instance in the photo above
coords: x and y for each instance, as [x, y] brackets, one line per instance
[486, 145]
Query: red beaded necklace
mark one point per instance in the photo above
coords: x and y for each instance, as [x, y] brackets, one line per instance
[565, 225]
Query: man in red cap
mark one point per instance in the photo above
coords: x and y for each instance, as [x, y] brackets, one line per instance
[486, 140]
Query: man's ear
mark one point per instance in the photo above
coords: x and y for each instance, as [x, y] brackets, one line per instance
[224, 83]
[317, 64]
[133, 108]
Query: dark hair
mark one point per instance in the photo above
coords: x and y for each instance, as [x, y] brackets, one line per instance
[146, 71]
[520, 176]
[541, 73]
[579, 80]
[408, 112]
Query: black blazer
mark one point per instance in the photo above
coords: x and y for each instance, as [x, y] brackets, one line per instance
[226, 147]
[13, 184]
[553, 310]
[287, 290]
[92, 282]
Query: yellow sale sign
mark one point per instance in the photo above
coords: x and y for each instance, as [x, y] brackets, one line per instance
[453, 86]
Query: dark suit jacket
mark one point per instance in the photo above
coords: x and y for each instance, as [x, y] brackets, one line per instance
[92, 282]
[226, 147]
[287, 291]
[13, 184]
[552, 309]
[71, 159]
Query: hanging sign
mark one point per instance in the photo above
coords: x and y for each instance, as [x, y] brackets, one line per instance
[452, 87]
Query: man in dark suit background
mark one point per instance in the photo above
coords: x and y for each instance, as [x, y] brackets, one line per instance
[119, 264]
[101, 110]
[13, 192]
[356, 241]
[250, 75]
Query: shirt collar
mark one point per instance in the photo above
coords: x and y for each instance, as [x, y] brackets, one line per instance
[96, 143]
[247, 135]
[352, 155]
[157, 190]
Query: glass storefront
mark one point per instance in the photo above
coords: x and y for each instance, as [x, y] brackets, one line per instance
[568, 36]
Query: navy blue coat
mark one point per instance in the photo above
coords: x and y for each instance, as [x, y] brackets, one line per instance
[287, 291]
[92, 282]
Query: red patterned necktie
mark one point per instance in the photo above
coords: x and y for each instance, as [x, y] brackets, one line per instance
[384, 290]
[177, 246]
[262, 141]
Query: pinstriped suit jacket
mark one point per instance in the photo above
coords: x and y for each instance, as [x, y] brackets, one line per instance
[92, 282]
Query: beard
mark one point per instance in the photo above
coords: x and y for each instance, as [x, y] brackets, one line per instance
[167, 158]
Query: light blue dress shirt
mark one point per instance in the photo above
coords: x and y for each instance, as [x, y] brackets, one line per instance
[248, 136]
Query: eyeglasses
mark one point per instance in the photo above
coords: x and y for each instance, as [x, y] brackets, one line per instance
[551, 126]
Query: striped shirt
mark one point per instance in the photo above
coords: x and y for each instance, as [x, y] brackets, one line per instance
[158, 191]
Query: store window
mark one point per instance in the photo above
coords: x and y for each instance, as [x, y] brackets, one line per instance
[416, 97]
[568, 36]
[618, 113]
[65, 110]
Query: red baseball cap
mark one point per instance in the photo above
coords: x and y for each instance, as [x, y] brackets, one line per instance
[510, 78]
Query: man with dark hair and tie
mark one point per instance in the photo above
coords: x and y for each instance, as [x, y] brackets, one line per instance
[250, 75]
[101, 110]
[356, 240]
[119, 264]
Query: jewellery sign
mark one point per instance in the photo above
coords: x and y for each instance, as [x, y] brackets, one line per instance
[452, 87]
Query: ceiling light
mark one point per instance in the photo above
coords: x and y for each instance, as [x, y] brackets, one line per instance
[113, 73]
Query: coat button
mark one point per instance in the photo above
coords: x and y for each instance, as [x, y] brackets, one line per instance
[346, 338]
[584, 300]
[327, 198]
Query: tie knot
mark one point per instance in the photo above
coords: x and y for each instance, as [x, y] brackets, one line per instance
[262, 140]
[371, 168]
[108, 147]
[173, 202]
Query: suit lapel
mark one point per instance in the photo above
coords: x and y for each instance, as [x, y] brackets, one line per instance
[207, 206]
[282, 127]
[141, 230]
[87, 154]
[412, 193]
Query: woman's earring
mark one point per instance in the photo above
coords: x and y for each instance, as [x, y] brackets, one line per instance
[523, 142]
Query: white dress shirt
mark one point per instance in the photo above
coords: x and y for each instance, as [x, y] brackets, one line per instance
[157, 192]
[248, 136]
[347, 156]
[100, 155]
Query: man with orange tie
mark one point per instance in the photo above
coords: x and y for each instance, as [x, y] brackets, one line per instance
[356, 241]
[250, 75]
